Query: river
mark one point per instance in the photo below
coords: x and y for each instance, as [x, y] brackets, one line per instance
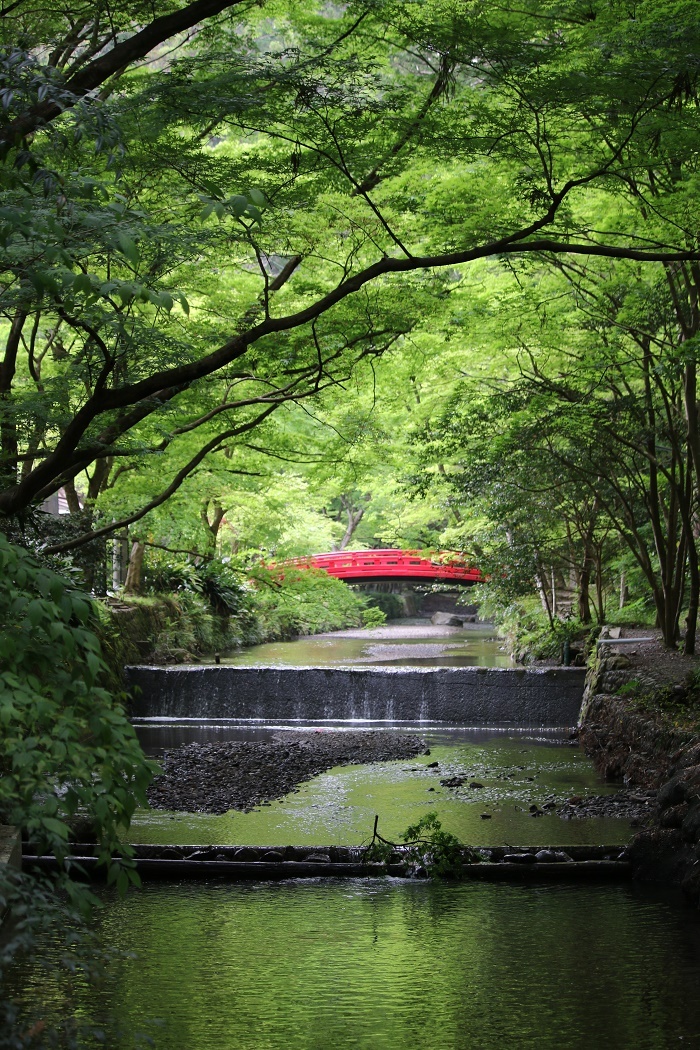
[410, 643]
[385, 964]
[388, 965]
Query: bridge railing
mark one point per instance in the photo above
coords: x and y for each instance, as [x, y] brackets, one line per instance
[389, 562]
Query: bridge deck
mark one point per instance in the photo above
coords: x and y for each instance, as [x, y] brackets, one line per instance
[387, 565]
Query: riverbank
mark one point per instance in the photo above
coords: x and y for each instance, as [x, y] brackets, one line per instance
[640, 723]
[185, 627]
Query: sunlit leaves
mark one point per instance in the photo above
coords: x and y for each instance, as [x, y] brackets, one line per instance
[238, 206]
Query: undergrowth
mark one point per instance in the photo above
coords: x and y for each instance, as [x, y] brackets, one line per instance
[676, 703]
[212, 608]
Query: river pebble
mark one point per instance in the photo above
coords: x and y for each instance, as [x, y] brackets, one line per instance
[634, 806]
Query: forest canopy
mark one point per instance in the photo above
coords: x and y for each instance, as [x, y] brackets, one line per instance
[285, 276]
[359, 254]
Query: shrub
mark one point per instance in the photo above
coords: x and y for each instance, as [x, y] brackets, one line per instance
[291, 602]
[390, 604]
[66, 745]
[67, 751]
[373, 617]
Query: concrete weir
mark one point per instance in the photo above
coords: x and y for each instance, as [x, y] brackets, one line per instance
[464, 695]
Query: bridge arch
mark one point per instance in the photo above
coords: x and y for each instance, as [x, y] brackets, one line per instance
[390, 564]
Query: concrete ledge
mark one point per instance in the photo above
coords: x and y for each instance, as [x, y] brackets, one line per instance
[548, 696]
[254, 870]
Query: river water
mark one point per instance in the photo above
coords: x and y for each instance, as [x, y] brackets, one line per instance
[385, 964]
[516, 771]
[410, 643]
[388, 965]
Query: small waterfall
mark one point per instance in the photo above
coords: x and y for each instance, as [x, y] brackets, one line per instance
[462, 695]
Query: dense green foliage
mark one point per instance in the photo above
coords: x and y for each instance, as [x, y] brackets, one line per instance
[67, 748]
[67, 754]
[304, 601]
[209, 251]
[284, 277]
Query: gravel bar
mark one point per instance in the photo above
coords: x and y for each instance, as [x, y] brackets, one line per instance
[214, 778]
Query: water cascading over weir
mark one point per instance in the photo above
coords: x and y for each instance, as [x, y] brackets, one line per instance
[459, 695]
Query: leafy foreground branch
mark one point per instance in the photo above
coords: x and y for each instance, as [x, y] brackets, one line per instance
[425, 849]
[67, 753]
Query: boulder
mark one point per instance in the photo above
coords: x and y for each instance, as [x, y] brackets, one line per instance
[617, 662]
[246, 853]
[674, 816]
[520, 858]
[443, 619]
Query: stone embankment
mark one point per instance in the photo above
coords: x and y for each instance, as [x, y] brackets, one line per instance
[639, 724]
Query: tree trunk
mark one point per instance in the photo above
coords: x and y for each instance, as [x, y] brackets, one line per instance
[691, 621]
[133, 575]
[354, 519]
[120, 558]
[542, 591]
[211, 525]
[354, 516]
[8, 425]
[584, 587]
[623, 590]
[600, 597]
[72, 498]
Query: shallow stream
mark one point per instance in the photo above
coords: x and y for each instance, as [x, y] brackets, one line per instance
[516, 768]
[515, 771]
[409, 643]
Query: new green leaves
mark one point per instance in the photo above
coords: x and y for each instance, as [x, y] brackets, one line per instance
[239, 206]
[66, 746]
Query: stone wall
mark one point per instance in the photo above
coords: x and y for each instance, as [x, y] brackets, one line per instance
[463, 695]
[639, 744]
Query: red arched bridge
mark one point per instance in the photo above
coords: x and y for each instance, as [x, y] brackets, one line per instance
[388, 565]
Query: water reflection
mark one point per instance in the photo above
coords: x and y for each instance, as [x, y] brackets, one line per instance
[386, 965]
[405, 644]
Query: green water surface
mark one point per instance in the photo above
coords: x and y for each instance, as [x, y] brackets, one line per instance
[390, 965]
[406, 643]
[338, 807]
